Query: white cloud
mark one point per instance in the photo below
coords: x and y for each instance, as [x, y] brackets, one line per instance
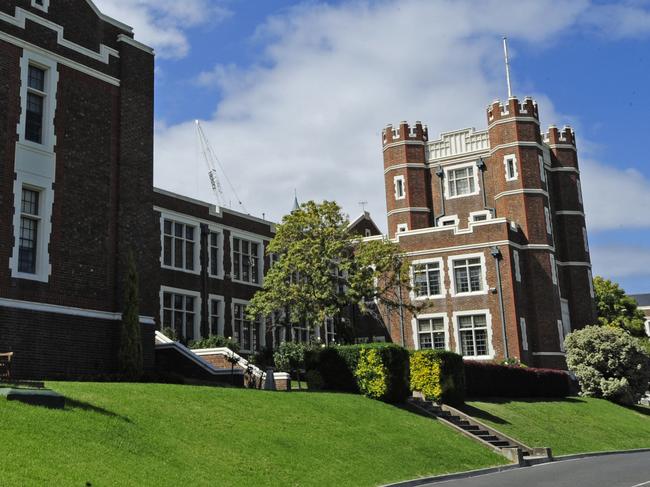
[310, 115]
[162, 23]
[629, 18]
[619, 261]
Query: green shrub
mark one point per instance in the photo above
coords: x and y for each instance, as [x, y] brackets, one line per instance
[378, 370]
[171, 334]
[314, 380]
[290, 356]
[215, 341]
[608, 363]
[439, 375]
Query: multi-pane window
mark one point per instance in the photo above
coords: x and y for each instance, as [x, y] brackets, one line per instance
[431, 333]
[468, 275]
[214, 253]
[245, 331]
[28, 238]
[215, 316]
[542, 169]
[461, 181]
[473, 334]
[179, 313]
[179, 245]
[246, 260]
[300, 334]
[427, 279]
[35, 105]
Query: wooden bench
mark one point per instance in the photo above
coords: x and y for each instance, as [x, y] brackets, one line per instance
[5, 366]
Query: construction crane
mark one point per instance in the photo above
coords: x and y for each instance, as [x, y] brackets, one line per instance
[212, 161]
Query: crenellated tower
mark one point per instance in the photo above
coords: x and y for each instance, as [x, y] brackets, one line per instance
[406, 177]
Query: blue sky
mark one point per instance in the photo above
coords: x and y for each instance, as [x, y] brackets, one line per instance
[295, 94]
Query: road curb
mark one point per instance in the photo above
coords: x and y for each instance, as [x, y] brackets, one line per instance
[487, 471]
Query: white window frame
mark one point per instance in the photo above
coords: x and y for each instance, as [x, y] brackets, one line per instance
[561, 336]
[446, 220]
[524, 334]
[647, 327]
[44, 7]
[452, 275]
[261, 326]
[396, 181]
[590, 278]
[579, 190]
[221, 318]
[427, 316]
[220, 243]
[402, 227]
[184, 220]
[260, 257]
[35, 165]
[542, 168]
[515, 169]
[474, 214]
[447, 188]
[368, 232]
[329, 327]
[585, 239]
[441, 269]
[488, 320]
[553, 268]
[517, 263]
[197, 308]
[547, 218]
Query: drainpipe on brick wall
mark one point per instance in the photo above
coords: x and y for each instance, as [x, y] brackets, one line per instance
[441, 175]
[482, 167]
[496, 253]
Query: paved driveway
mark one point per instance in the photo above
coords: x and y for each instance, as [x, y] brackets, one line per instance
[623, 470]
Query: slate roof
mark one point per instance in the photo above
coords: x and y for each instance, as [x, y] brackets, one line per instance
[642, 299]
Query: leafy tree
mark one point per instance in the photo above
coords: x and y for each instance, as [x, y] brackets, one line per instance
[617, 309]
[608, 363]
[320, 268]
[129, 356]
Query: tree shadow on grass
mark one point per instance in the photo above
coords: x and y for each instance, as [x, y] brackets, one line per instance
[480, 414]
[84, 406]
[645, 410]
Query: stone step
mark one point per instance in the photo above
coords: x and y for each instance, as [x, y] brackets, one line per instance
[471, 427]
[500, 443]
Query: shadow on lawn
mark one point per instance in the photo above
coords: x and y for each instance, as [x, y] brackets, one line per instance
[75, 404]
[639, 409]
[487, 416]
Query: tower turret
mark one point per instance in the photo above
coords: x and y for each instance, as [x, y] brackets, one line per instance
[406, 177]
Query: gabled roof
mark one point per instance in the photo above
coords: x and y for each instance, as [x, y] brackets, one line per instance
[642, 300]
[365, 216]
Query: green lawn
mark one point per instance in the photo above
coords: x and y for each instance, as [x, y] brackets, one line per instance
[572, 425]
[152, 434]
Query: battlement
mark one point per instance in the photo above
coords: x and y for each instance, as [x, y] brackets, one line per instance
[512, 108]
[555, 136]
[404, 132]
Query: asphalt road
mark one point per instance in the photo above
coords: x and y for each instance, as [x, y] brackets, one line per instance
[621, 470]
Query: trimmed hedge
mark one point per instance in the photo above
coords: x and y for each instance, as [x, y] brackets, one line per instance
[492, 380]
[439, 375]
[380, 371]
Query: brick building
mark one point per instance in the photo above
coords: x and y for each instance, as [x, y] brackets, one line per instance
[493, 224]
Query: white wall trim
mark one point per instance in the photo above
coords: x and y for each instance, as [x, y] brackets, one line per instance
[521, 191]
[19, 20]
[60, 59]
[403, 142]
[132, 42]
[513, 119]
[473, 214]
[570, 213]
[44, 7]
[564, 169]
[455, 221]
[67, 310]
[409, 210]
[483, 245]
[549, 354]
[574, 264]
[411, 165]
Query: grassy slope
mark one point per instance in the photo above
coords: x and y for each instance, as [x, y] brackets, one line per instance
[148, 434]
[573, 425]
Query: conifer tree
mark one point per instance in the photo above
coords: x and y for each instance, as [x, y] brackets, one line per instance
[130, 362]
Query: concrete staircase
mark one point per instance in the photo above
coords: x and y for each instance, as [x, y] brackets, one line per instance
[512, 449]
